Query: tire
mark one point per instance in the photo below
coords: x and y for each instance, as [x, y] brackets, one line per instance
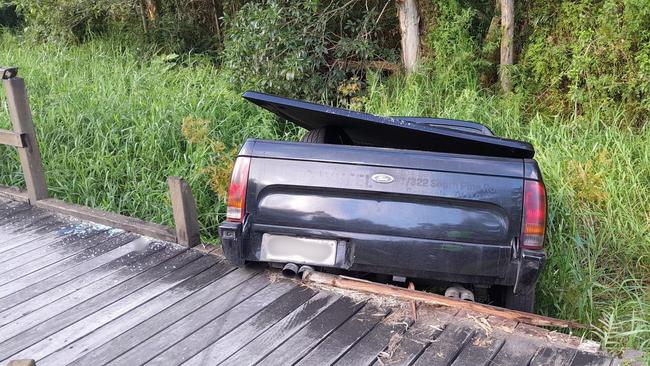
[327, 135]
[316, 136]
[521, 301]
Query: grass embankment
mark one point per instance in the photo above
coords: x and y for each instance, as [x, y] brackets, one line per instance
[110, 123]
[111, 129]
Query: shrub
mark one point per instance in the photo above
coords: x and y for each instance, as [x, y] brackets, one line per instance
[586, 55]
[301, 48]
[70, 20]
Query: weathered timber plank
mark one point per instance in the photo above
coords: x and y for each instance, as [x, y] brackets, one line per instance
[55, 251]
[550, 336]
[10, 138]
[17, 280]
[444, 349]
[367, 349]
[21, 213]
[338, 342]
[30, 155]
[177, 283]
[92, 298]
[582, 358]
[185, 213]
[403, 294]
[14, 225]
[320, 327]
[212, 321]
[45, 292]
[516, 351]
[41, 229]
[552, 356]
[148, 258]
[46, 232]
[30, 240]
[13, 194]
[479, 351]
[251, 353]
[220, 296]
[85, 343]
[427, 328]
[12, 208]
[111, 219]
[214, 335]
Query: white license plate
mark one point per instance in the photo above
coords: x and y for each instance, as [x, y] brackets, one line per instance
[291, 249]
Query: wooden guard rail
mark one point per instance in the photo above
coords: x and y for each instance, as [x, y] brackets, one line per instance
[23, 138]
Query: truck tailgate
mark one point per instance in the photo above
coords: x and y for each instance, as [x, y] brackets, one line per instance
[372, 196]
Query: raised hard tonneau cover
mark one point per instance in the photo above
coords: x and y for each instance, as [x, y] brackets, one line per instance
[394, 132]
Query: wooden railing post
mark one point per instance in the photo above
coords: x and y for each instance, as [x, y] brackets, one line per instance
[23, 126]
[185, 212]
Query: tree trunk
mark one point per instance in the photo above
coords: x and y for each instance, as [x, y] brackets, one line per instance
[491, 50]
[151, 10]
[409, 24]
[507, 35]
[217, 13]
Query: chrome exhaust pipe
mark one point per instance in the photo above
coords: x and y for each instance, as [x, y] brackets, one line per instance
[290, 270]
[459, 292]
[303, 269]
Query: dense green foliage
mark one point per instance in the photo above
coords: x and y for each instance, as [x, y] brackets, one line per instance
[597, 175]
[585, 55]
[119, 111]
[290, 48]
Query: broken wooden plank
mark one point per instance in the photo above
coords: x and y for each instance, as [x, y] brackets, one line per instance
[368, 348]
[426, 297]
[444, 349]
[430, 323]
[549, 356]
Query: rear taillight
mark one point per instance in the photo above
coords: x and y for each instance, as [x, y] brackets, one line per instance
[237, 190]
[534, 224]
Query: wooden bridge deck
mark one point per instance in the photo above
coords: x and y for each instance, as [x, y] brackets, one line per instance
[76, 293]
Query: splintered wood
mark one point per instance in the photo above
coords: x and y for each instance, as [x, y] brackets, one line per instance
[429, 298]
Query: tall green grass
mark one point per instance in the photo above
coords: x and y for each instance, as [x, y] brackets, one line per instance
[597, 176]
[109, 123]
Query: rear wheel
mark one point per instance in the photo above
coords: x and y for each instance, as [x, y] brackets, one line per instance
[520, 301]
[327, 135]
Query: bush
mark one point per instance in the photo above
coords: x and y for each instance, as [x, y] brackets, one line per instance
[278, 47]
[589, 55]
[70, 20]
[301, 48]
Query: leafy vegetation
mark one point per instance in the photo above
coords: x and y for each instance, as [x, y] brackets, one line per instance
[118, 111]
[110, 124]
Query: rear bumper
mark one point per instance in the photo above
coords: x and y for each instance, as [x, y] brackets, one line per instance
[409, 257]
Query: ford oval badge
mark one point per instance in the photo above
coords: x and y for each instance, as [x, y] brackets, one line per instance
[382, 178]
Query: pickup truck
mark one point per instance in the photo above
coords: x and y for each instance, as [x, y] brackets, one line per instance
[409, 197]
